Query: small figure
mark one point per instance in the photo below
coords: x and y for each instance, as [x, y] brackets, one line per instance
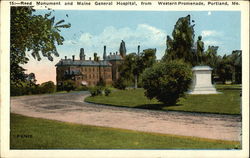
[200, 49]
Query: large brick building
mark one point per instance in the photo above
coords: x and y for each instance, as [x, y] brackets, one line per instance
[89, 72]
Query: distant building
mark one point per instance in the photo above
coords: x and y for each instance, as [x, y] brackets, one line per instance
[89, 72]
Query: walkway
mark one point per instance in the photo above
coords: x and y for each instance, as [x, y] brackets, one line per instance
[69, 107]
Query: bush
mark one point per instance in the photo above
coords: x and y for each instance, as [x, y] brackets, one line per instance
[24, 88]
[167, 81]
[47, 87]
[94, 91]
[101, 83]
[107, 91]
[120, 84]
[82, 88]
[67, 85]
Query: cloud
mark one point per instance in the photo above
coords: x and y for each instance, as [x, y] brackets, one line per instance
[145, 35]
[211, 42]
[208, 33]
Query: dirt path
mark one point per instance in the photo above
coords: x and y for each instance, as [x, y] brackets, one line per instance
[71, 108]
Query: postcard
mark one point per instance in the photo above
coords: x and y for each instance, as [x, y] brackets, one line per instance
[124, 78]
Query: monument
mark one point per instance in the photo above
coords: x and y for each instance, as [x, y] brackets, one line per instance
[202, 81]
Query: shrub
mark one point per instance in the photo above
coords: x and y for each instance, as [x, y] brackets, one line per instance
[47, 87]
[101, 83]
[94, 91]
[67, 85]
[167, 81]
[82, 88]
[107, 91]
[24, 88]
[120, 83]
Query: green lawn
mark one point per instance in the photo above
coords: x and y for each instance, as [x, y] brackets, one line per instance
[226, 103]
[48, 134]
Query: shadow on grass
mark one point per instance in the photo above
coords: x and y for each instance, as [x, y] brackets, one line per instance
[229, 88]
[155, 106]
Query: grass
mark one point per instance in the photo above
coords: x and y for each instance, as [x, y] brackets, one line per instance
[49, 134]
[226, 103]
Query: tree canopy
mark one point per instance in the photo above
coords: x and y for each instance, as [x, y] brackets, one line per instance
[32, 34]
[134, 64]
[181, 43]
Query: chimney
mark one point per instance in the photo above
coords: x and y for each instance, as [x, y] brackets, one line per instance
[95, 56]
[73, 57]
[110, 53]
[65, 57]
[104, 53]
[89, 58]
[98, 58]
[138, 49]
[116, 53]
[113, 53]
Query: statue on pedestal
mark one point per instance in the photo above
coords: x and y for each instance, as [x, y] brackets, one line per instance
[200, 50]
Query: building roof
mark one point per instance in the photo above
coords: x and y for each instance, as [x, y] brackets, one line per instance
[70, 62]
[114, 57]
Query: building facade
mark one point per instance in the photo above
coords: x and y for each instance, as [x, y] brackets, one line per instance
[89, 72]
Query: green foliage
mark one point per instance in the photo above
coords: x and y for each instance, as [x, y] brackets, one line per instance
[228, 102]
[32, 34]
[67, 85]
[23, 88]
[101, 83]
[210, 57]
[47, 87]
[181, 43]
[120, 83]
[81, 88]
[95, 91]
[133, 65]
[167, 81]
[107, 91]
[30, 88]
[148, 57]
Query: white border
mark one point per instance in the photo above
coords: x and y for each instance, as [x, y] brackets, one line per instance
[5, 100]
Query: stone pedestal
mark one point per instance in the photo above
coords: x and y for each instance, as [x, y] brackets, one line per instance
[202, 83]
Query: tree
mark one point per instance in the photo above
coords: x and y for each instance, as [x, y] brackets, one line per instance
[148, 57]
[181, 43]
[230, 67]
[236, 58]
[101, 82]
[134, 64]
[167, 81]
[32, 34]
[225, 68]
[68, 85]
[47, 87]
[210, 56]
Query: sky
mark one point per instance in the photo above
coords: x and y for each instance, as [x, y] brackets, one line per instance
[92, 30]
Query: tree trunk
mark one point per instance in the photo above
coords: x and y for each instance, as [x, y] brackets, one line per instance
[136, 81]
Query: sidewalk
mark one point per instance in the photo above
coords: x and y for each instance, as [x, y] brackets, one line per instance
[69, 107]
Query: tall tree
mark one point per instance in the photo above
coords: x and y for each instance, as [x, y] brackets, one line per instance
[236, 58]
[32, 34]
[135, 63]
[210, 56]
[181, 43]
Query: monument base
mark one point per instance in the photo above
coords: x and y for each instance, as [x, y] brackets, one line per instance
[204, 90]
[202, 81]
